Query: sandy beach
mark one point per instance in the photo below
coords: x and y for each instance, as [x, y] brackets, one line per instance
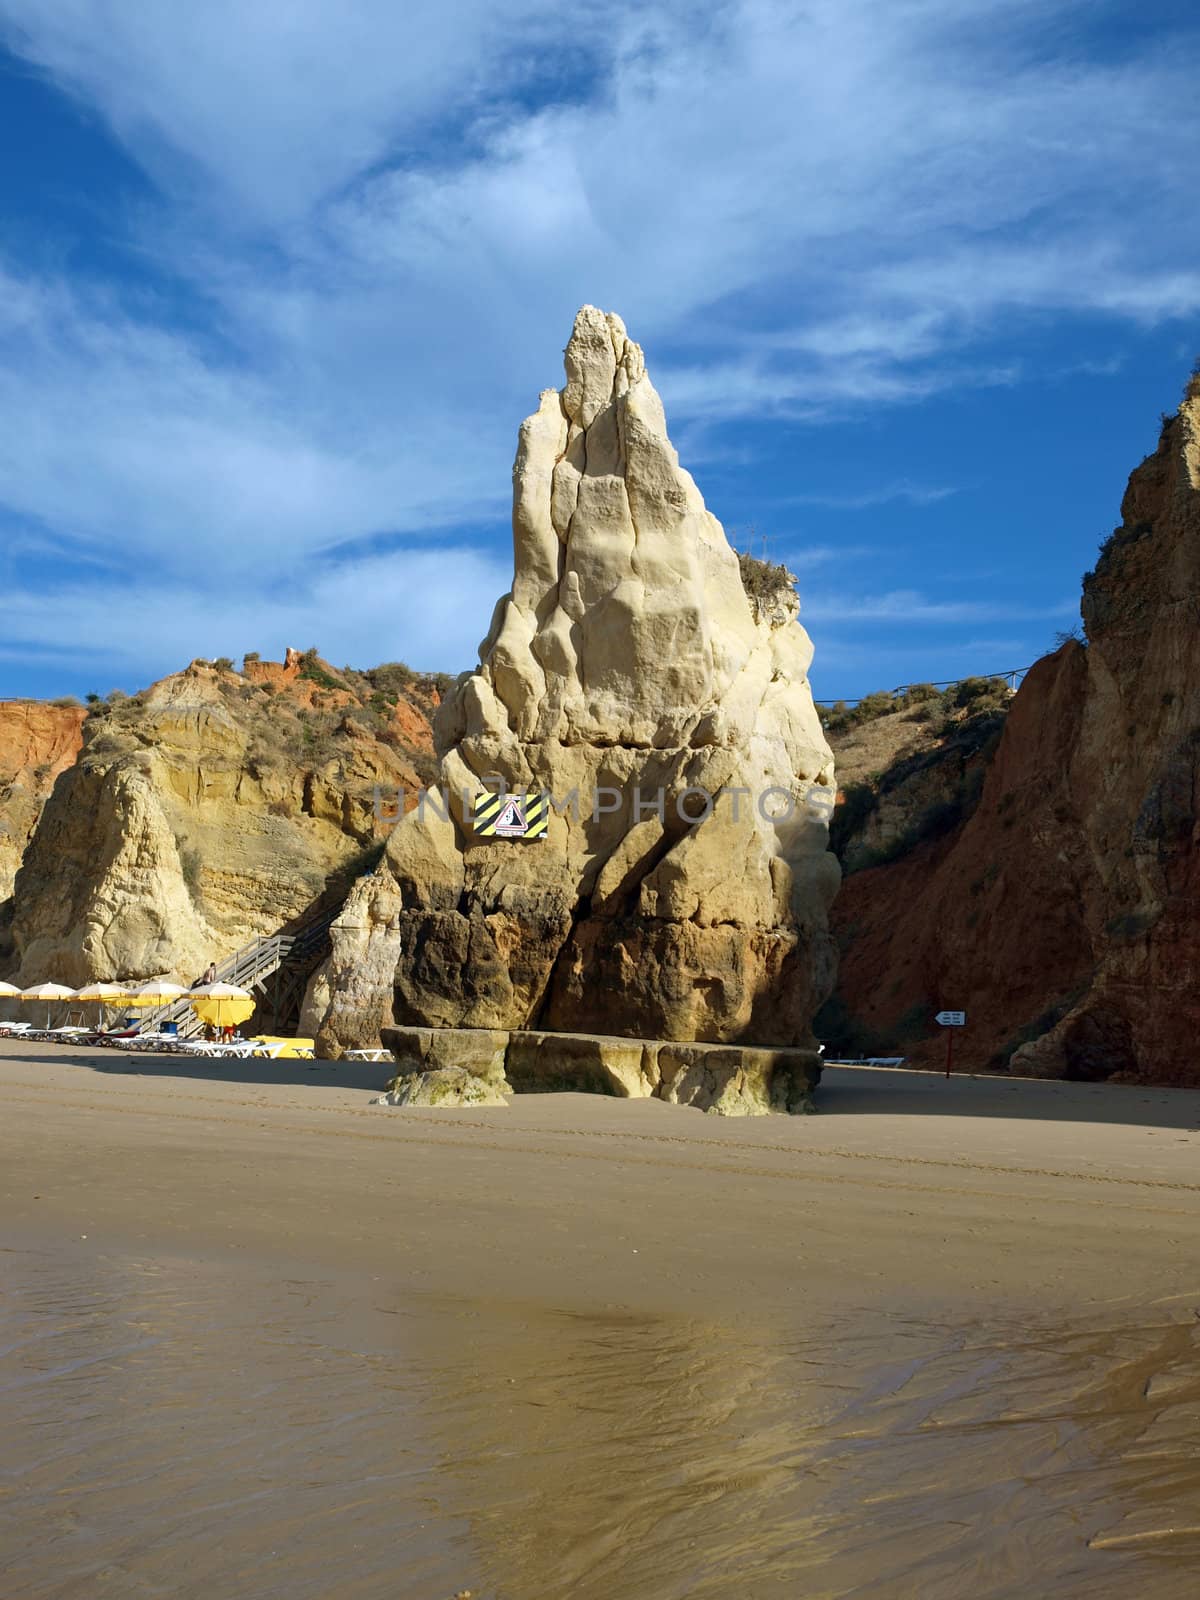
[263, 1337]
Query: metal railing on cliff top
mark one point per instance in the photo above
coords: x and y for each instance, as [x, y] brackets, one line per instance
[1012, 677]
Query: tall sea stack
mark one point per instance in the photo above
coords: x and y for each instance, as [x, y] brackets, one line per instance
[630, 663]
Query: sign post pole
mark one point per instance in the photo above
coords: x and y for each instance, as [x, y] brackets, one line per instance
[950, 1020]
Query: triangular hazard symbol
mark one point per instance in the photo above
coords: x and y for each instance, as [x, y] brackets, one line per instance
[511, 818]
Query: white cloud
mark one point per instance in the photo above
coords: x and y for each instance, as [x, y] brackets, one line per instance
[805, 557]
[123, 435]
[429, 607]
[277, 104]
[915, 494]
[385, 215]
[911, 606]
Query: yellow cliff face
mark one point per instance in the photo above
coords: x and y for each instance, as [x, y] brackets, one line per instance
[37, 743]
[210, 809]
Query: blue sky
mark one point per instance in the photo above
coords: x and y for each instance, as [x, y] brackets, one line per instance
[277, 284]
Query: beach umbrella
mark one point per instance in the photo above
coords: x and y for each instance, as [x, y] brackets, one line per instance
[222, 1004]
[9, 991]
[49, 992]
[158, 992]
[102, 995]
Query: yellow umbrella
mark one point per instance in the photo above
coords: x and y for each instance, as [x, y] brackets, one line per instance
[49, 992]
[222, 1004]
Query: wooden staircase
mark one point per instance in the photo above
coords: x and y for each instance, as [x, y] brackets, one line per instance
[288, 958]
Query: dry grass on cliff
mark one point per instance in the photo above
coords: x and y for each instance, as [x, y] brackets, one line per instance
[766, 582]
[316, 719]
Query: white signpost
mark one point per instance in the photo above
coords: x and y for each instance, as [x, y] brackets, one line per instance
[950, 1020]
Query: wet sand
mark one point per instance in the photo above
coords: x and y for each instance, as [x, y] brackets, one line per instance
[260, 1337]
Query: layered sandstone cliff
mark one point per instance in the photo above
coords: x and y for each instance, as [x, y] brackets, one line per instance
[210, 809]
[1062, 914]
[629, 676]
[38, 741]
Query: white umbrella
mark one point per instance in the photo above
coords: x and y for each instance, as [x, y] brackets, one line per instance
[49, 992]
[158, 992]
[103, 995]
[9, 991]
[100, 993]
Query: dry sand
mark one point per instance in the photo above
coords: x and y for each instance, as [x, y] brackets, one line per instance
[267, 1338]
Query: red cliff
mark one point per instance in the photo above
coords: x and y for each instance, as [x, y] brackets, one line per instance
[1062, 914]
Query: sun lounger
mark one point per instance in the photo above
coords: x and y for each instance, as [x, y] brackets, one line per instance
[147, 1041]
[281, 1049]
[210, 1047]
[865, 1061]
[367, 1055]
[16, 1027]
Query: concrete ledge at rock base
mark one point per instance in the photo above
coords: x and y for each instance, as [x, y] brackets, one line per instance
[477, 1066]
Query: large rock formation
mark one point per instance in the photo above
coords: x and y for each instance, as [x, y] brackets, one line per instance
[37, 742]
[349, 999]
[210, 809]
[629, 674]
[1062, 913]
[476, 1066]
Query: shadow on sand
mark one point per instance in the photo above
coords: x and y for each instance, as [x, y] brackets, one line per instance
[891, 1091]
[247, 1071]
[843, 1092]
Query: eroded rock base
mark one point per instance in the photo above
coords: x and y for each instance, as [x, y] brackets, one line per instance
[478, 1066]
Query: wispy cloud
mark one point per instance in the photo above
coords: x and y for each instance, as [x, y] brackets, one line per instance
[804, 558]
[427, 605]
[911, 606]
[381, 219]
[915, 494]
[124, 436]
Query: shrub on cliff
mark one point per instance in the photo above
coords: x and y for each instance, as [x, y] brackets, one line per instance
[391, 679]
[316, 671]
[765, 582]
[981, 694]
[920, 699]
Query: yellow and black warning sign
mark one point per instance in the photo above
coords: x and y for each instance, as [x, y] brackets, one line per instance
[510, 816]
